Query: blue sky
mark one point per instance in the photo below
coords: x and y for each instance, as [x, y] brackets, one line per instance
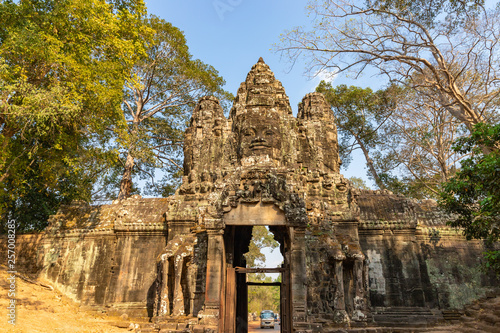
[231, 35]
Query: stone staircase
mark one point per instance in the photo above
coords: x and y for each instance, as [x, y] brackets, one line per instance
[452, 316]
[144, 325]
[482, 316]
[406, 317]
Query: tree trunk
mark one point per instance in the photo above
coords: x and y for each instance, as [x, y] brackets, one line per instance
[126, 182]
[371, 168]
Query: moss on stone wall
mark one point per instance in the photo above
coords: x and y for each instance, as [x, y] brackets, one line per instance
[456, 281]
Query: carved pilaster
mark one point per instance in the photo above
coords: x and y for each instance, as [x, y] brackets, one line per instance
[215, 268]
[298, 275]
[360, 292]
[339, 303]
[178, 294]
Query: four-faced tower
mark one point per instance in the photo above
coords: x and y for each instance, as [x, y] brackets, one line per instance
[263, 166]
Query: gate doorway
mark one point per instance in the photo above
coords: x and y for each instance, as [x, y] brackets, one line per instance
[283, 284]
[234, 308]
[233, 322]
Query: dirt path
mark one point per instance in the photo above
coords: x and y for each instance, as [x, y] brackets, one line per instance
[254, 327]
[39, 309]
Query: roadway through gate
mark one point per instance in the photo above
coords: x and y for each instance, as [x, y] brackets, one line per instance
[254, 326]
[233, 316]
[230, 318]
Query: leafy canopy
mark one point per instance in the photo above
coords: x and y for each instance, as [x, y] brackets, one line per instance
[63, 65]
[261, 238]
[473, 194]
[427, 12]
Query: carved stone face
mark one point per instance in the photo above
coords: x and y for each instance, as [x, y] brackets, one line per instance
[260, 136]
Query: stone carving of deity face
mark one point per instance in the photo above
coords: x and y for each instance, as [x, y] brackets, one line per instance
[260, 136]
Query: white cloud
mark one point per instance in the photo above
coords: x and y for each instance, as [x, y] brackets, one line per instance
[324, 75]
[328, 76]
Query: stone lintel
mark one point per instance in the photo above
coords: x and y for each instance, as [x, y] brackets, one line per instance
[255, 214]
[181, 222]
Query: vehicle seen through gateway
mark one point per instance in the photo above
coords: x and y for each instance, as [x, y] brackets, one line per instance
[267, 319]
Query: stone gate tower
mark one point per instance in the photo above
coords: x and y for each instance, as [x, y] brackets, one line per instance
[263, 166]
[351, 258]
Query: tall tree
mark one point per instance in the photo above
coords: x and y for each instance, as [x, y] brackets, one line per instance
[419, 135]
[63, 65]
[473, 194]
[164, 86]
[405, 137]
[448, 47]
[358, 183]
[427, 11]
[360, 114]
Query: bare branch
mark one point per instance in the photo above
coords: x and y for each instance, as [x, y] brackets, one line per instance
[460, 65]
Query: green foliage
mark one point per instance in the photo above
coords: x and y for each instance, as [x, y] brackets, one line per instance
[63, 65]
[426, 12]
[473, 194]
[492, 261]
[417, 156]
[407, 186]
[261, 238]
[31, 203]
[263, 297]
[68, 68]
[405, 139]
[359, 183]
